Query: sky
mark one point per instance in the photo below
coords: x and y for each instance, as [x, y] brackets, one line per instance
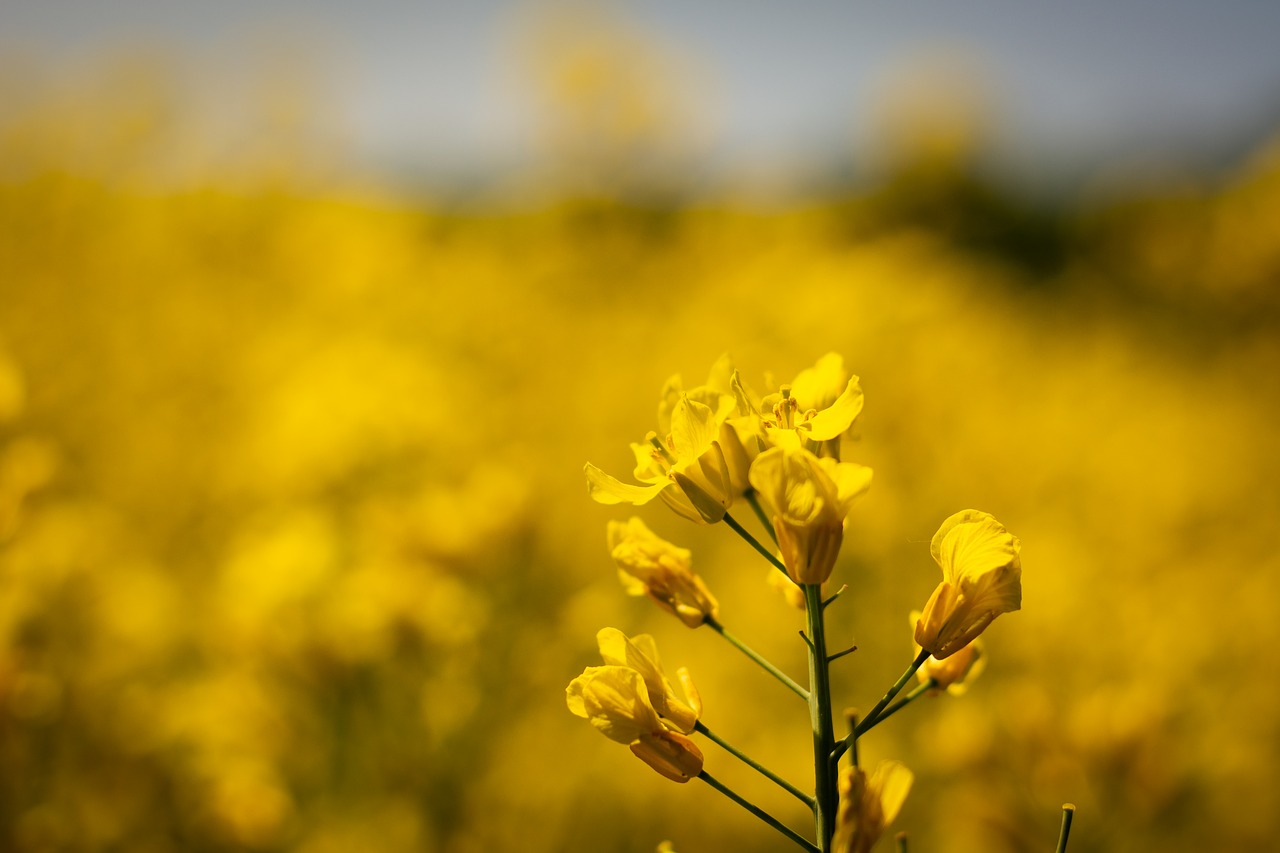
[443, 82]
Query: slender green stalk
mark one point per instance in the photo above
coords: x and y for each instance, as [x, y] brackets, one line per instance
[901, 838]
[872, 718]
[1068, 812]
[700, 728]
[760, 514]
[902, 703]
[759, 812]
[715, 625]
[754, 543]
[825, 792]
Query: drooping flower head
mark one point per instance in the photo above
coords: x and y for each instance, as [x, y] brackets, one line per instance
[630, 700]
[868, 805]
[650, 565]
[687, 469]
[640, 653]
[808, 500]
[615, 700]
[981, 578]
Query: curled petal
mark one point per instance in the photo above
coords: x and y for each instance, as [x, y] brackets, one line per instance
[606, 489]
[836, 419]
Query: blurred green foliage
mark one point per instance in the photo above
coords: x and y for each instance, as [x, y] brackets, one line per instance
[295, 551]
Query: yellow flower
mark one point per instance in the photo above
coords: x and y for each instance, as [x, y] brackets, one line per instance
[815, 409]
[641, 654]
[787, 588]
[741, 433]
[955, 673]
[981, 578]
[867, 806]
[807, 499]
[616, 701]
[650, 565]
[688, 470]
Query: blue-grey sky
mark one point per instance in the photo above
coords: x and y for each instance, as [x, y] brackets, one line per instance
[1066, 78]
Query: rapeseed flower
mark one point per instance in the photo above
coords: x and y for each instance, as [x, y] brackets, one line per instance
[616, 701]
[741, 430]
[650, 565]
[640, 653]
[814, 409]
[630, 700]
[868, 805]
[808, 500]
[981, 578]
[687, 469]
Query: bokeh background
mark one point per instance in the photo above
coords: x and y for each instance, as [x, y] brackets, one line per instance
[310, 315]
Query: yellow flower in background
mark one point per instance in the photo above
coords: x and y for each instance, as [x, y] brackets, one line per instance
[641, 654]
[650, 565]
[957, 671]
[688, 469]
[868, 805]
[615, 700]
[787, 588]
[981, 578]
[808, 499]
[815, 409]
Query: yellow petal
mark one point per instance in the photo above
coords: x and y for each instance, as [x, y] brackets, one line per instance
[607, 489]
[693, 428]
[892, 781]
[971, 543]
[816, 387]
[836, 419]
[616, 702]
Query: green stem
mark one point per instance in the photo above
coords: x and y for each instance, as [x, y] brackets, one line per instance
[901, 703]
[1068, 812]
[760, 514]
[871, 719]
[901, 838]
[700, 728]
[712, 623]
[758, 812]
[825, 792]
[754, 543]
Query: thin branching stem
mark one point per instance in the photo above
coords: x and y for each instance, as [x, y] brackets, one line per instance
[759, 812]
[714, 625]
[754, 500]
[702, 729]
[901, 703]
[871, 719]
[754, 543]
[840, 654]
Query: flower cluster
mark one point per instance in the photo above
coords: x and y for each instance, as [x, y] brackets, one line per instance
[699, 460]
[720, 443]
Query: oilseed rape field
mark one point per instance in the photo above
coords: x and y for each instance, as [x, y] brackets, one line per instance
[297, 553]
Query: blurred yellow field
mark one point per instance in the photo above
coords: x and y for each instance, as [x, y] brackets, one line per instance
[296, 552]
